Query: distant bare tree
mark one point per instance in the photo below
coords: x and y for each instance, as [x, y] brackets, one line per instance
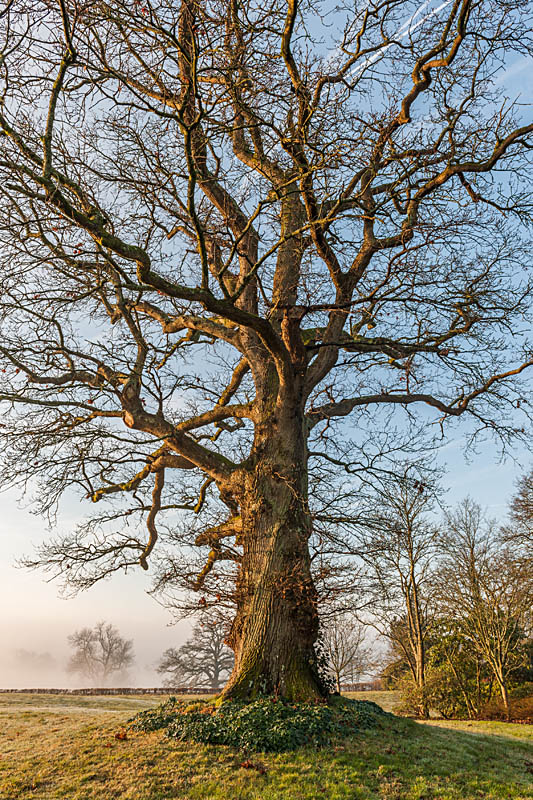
[99, 652]
[400, 543]
[203, 660]
[487, 590]
[344, 641]
[519, 530]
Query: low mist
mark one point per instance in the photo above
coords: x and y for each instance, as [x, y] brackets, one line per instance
[29, 669]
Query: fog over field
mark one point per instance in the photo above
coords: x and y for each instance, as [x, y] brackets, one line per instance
[33, 658]
[34, 632]
[29, 669]
[36, 621]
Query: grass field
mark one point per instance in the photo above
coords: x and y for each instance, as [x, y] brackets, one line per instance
[65, 747]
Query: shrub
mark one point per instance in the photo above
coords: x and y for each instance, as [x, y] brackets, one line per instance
[443, 694]
[522, 690]
[267, 724]
[521, 706]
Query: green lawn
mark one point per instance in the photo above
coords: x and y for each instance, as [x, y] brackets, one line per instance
[65, 747]
[387, 700]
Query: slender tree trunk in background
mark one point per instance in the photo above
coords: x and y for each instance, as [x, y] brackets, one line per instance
[505, 695]
[421, 678]
[478, 686]
[415, 621]
[276, 624]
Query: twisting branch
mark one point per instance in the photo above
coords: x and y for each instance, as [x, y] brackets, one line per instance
[159, 482]
[454, 408]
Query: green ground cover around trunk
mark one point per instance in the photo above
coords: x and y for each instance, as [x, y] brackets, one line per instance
[66, 747]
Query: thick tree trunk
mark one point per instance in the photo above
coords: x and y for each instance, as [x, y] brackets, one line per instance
[276, 625]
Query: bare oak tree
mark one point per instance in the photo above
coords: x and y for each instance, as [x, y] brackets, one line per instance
[204, 659]
[223, 231]
[99, 653]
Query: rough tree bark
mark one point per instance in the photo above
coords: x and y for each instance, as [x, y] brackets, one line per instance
[277, 620]
[276, 624]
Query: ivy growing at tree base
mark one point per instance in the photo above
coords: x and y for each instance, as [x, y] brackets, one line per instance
[267, 724]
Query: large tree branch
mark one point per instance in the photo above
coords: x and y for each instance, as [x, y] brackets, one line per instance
[93, 224]
[212, 463]
[454, 408]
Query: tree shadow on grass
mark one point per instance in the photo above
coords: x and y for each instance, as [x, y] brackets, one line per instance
[421, 762]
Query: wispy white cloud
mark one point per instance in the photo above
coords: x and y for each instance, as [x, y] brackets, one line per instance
[405, 30]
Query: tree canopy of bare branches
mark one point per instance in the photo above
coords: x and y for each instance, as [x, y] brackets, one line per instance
[518, 532]
[400, 544]
[348, 654]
